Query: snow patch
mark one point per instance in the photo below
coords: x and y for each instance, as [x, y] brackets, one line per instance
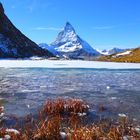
[103, 52]
[124, 53]
[81, 114]
[69, 47]
[12, 131]
[35, 58]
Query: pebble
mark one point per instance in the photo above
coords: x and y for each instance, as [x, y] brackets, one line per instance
[63, 135]
[1, 108]
[137, 129]
[1, 115]
[7, 137]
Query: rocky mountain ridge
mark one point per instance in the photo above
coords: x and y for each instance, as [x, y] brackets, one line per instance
[14, 44]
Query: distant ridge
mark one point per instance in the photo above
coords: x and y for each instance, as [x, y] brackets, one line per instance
[132, 56]
[112, 51]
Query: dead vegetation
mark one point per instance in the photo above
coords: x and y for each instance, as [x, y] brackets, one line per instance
[62, 119]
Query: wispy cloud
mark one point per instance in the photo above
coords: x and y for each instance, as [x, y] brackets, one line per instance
[115, 26]
[13, 6]
[38, 4]
[48, 28]
[32, 5]
[103, 27]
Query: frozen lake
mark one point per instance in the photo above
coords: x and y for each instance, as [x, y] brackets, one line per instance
[66, 64]
[24, 90]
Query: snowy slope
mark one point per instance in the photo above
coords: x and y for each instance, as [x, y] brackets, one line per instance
[68, 43]
[4, 45]
[49, 48]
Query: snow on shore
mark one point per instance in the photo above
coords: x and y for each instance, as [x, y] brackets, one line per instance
[124, 53]
[66, 64]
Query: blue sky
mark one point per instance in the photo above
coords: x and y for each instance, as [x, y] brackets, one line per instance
[102, 23]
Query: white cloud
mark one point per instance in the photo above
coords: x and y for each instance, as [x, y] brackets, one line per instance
[48, 28]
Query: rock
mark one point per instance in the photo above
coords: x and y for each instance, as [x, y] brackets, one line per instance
[63, 135]
[7, 137]
[1, 8]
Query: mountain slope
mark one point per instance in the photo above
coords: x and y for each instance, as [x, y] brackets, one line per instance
[132, 56]
[70, 45]
[50, 49]
[13, 44]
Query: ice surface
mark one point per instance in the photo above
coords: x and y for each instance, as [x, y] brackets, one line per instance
[66, 64]
[24, 90]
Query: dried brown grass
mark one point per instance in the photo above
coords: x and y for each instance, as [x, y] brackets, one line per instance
[61, 115]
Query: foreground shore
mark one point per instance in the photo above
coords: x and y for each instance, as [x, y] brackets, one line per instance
[66, 64]
[65, 119]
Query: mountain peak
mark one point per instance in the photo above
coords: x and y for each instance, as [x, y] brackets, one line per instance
[69, 44]
[1, 8]
[68, 24]
[68, 34]
[68, 27]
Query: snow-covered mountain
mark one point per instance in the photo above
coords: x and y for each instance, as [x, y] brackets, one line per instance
[14, 44]
[51, 49]
[70, 45]
[112, 51]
